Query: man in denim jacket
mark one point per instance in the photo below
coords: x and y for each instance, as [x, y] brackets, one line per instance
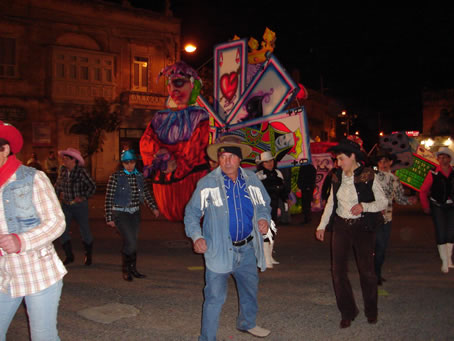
[236, 211]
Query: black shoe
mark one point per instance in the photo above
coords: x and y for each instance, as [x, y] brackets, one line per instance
[88, 253]
[133, 268]
[126, 268]
[67, 247]
[68, 260]
[372, 320]
[379, 281]
[345, 323]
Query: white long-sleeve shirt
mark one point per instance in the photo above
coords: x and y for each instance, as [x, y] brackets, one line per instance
[347, 198]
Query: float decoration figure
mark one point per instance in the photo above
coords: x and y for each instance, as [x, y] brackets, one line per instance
[173, 147]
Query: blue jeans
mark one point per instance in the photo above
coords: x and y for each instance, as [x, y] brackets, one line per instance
[42, 308]
[79, 212]
[381, 244]
[246, 278]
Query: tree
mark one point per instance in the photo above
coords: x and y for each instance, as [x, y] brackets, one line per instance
[93, 122]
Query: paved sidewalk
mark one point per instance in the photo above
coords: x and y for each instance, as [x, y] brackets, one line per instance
[296, 299]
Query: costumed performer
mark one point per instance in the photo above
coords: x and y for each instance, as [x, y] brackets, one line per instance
[173, 147]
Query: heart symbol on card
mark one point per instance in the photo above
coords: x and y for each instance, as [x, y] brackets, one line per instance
[229, 85]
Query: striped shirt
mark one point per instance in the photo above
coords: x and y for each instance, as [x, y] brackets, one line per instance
[37, 265]
[135, 200]
[75, 183]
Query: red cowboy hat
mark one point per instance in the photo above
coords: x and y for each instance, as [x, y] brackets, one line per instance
[12, 135]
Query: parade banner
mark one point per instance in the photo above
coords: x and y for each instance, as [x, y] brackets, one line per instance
[414, 176]
[269, 92]
[323, 163]
[230, 67]
[285, 134]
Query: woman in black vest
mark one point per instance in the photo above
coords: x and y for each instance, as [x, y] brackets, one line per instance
[126, 191]
[437, 198]
[352, 212]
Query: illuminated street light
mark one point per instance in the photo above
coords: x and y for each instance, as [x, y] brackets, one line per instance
[190, 48]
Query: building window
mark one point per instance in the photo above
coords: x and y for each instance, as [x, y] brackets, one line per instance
[82, 75]
[140, 74]
[79, 66]
[8, 64]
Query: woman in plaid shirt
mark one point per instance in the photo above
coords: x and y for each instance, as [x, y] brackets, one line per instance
[74, 186]
[30, 220]
[126, 190]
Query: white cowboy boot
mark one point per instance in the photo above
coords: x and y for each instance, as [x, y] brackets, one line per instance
[273, 261]
[449, 248]
[442, 250]
[267, 251]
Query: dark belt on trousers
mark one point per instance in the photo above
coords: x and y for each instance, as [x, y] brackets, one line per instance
[347, 221]
[243, 242]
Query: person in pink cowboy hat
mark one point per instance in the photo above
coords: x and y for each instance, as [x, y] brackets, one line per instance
[74, 186]
[30, 220]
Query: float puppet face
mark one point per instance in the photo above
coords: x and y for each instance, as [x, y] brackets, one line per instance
[180, 89]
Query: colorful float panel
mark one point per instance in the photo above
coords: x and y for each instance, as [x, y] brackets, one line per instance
[230, 67]
[414, 176]
[323, 163]
[269, 92]
[285, 134]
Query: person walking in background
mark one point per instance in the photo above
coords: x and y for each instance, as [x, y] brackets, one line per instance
[30, 220]
[74, 186]
[352, 213]
[51, 167]
[306, 183]
[273, 181]
[126, 191]
[236, 213]
[33, 162]
[394, 192]
[437, 198]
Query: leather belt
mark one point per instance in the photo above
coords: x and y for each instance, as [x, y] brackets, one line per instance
[244, 241]
[349, 221]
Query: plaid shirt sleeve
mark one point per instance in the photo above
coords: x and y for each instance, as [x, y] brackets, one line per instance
[89, 184]
[110, 192]
[149, 196]
[50, 212]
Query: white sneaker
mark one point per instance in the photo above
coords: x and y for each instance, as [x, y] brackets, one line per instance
[259, 332]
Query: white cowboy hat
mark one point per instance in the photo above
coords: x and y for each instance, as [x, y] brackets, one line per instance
[446, 151]
[265, 156]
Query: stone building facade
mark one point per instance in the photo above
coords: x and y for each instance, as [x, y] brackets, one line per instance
[57, 56]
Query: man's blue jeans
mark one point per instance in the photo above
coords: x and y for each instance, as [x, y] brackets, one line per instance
[79, 212]
[381, 244]
[42, 308]
[246, 278]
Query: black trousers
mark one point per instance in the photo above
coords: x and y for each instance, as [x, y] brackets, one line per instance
[128, 226]
[346, 238]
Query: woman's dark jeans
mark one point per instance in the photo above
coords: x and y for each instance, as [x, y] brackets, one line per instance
[128, 225]
[443, 218]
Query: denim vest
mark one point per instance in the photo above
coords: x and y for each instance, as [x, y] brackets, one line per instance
[20, 212]
[122, 196]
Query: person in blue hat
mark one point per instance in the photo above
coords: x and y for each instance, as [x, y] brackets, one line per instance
[126, 191]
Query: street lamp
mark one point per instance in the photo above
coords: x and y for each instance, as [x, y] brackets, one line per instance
[190, 48]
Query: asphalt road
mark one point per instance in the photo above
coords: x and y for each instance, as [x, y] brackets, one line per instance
[296, 299]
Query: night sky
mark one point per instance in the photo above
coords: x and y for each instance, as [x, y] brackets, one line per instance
[375, 59]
